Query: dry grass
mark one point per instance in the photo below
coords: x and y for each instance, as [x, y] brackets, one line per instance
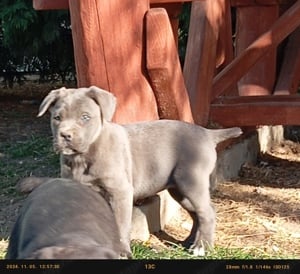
[263, 219]
[259, 212]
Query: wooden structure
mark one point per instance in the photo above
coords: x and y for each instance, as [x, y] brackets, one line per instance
[130, 48]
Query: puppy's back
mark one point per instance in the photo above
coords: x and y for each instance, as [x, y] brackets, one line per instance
[67, 218]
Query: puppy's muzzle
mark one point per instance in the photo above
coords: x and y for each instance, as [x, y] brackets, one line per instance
[67, 136]
[66, 142]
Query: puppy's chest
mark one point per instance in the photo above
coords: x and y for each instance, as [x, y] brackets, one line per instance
[79, 169]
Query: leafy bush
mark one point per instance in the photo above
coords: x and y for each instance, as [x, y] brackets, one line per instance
[34, 42]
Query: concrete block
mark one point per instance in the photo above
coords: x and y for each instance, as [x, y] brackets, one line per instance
[152, 215]
[268, 135]
[230, 160]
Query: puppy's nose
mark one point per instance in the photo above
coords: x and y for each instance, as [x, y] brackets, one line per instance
[66, 135]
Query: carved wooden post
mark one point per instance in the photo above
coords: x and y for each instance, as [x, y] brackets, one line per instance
[164, 68]
[201, 55]
[252, 21]
[109, 44]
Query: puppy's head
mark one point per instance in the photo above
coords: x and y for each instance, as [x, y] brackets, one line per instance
[77, 116]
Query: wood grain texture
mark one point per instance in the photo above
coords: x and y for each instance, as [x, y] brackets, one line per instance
[286, 24]
[64, 4]
[164, 68]
[112, 55]
[260, 79]
[256, 110]
[201, 54]
[289, 76]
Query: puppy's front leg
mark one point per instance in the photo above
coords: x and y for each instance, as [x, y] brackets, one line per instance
[121, 201]
[65, 168]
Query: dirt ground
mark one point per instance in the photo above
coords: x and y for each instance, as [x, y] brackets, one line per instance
[259, 210]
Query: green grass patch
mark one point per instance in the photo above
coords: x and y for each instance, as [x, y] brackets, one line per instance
[35, 146]
[33, 156]
[141, 250]
[3, 247]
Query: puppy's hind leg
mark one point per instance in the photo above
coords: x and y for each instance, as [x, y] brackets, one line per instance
[204, 236]
[185, 203]
[197, 202]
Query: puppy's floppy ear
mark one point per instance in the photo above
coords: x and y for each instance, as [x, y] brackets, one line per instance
[50, 99]
[28, 184]
[106, 100]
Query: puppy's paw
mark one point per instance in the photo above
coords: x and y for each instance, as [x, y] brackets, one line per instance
[198, 251]
[125, 252]
[201, 249]
[126, 256]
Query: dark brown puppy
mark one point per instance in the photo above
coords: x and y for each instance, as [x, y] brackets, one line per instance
[63, 219]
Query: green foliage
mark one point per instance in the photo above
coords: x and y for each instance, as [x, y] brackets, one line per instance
[183, 30]
[34, 41]
[16, 15]
[16, 18]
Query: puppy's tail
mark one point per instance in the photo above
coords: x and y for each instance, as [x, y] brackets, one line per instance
[27, 185]
[223, 134]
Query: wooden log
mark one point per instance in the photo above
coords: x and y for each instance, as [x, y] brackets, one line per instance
[109, 43]
[225, 48]
[171, 1]
[64, 4]
[286, 24]
[260, 79]
[164, 68]
[265, 99]
[240, 3]
[200, 60]
[268, 113]
[50, 4]
[174, 10]
[225, 45]
[289, 77]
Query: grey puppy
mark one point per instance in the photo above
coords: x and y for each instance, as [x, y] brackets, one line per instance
[135, 161]
[63, 219]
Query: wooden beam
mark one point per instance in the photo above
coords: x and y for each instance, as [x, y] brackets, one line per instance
[270, 110]
[259, 79]
[225, 45]
[164, 68]
[174, 10]
[270, 114]
[64, 4]
[50, 4]
[256, 2]
[286, 24]
[112, 55]
[225, 48]
[289, 77]
[172, 1]
[267, 99]
[201, 52]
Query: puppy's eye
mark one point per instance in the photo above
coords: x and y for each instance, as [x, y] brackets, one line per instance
[57, 118]
[85, 117]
